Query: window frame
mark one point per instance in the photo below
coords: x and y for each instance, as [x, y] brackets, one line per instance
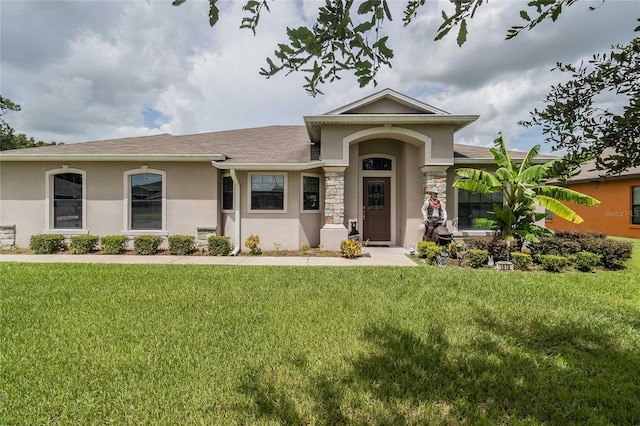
[320, 193]
[222, 192]
[50, 201]
[284, 195]
[635, 204]
[128, 199]
[458, 210]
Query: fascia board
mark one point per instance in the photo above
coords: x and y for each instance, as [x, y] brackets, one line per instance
[112, 157]
[267, 166]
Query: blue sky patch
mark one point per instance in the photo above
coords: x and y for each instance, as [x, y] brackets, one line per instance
[153, 118]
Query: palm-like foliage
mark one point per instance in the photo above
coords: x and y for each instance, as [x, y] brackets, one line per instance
[523, 186]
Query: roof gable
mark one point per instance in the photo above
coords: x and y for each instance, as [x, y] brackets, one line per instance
[387, 101]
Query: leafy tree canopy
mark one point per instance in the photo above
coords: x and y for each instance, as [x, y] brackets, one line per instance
[8, 138]
[348, 35]
[576, 120]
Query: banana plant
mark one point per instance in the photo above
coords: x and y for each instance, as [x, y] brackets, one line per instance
[523, 187]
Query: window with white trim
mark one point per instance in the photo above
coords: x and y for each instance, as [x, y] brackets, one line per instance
[268, 192]
[227, 192]
[66, 199]
[310, 193]
[146, 199]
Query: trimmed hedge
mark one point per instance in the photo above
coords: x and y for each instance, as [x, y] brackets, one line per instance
[219, 245]
[497, 248]
[47, 243]
[113, 244]
[430, 251]
[555, 246]
[83, 244]
[146, 244]
[182, 245]
[521, 261]
[477, 257]
[587, 262]
[553, 263]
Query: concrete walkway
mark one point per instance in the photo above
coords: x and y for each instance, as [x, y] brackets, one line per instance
[378, 256]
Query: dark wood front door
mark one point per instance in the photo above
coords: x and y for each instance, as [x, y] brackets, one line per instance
[376, 214]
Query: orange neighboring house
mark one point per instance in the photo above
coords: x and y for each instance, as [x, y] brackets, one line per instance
[619, 211]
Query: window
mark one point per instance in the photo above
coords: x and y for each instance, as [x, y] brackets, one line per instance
[635, 205]
[67, 201]
[145, 204]
[474, 205]
[227, 193]
[267, 192]
[310, 193]
[376, 163]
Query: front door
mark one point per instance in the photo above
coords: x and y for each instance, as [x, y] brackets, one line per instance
[376, 212]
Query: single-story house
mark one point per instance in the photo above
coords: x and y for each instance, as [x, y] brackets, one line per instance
[368, 163]
[619, 211]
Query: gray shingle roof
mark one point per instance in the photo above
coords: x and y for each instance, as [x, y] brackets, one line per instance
[259, 145]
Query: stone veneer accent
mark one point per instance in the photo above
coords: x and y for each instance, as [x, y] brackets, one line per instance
[435, 177]
[7, 236]
[334, 197]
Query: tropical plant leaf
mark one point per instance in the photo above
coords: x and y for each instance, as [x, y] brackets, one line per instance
[483, 178]
[558, 208]
[566, 194]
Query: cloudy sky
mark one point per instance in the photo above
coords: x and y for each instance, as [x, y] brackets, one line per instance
[91, 70]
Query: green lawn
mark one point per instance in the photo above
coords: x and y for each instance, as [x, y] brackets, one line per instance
[129, 344]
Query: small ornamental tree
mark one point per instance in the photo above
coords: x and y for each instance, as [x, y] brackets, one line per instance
[523, 187]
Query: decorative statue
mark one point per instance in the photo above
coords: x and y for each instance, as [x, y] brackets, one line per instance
[434, 217]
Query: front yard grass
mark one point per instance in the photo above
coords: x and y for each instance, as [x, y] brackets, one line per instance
[149, 344]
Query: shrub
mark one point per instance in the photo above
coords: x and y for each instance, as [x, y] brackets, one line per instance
[146, 244]
[555, 246]
[350, 248]
[553, 263]
[586, 261]
[521, 261]
[47, 243]
[182, 245]
[252, 243]
[578, 235]
[113, 244]
[496, 247]
[454, 248]
[613, 254]
[430, 251]
[83, 244]
[477, 257]
[219, 245]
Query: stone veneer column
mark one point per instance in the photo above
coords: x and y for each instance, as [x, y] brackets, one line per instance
[435, 176]
[333, 231]
[334, 196]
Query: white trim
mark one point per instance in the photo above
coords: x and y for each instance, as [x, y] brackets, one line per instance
[49, 199]
[285, 192]
[127, 202]
[393, 196]
[25, 156]
[398, 133]
[393, 96]
[267, 167]
[320, 194]
[231, 210]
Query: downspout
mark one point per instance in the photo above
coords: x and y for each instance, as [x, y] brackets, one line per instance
[236, 212]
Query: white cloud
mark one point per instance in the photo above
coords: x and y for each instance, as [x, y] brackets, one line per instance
[100, 63]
